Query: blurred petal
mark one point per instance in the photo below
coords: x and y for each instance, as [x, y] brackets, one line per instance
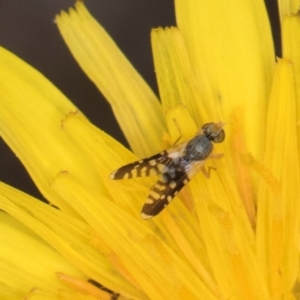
[28, 264]
[71, 237]
[277, 231]
[231, 51]
[290, 49]
[151, 263]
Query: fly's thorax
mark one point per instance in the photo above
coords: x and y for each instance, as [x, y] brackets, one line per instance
[199, 148]
[175, 166]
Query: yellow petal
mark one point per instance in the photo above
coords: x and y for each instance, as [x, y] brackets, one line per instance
[28, 264]
[142, 254]
[227, 234]
[290, 49]
[181, 126]
[134, 104]
[30, 123]
[279, 207]
[107, 155]
[287, 8]
[176, 81]
[231, 52]
[71, 237]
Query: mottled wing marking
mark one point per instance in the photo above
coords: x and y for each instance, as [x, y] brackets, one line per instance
[168, 186]
[142, 168]
[162, 193]
[150, 166]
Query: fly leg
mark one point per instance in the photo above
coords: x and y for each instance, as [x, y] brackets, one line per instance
[167, 138]
[207, 172]
[213, 156]
[180, 133]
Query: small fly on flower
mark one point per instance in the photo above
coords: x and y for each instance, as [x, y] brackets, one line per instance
[177, 166]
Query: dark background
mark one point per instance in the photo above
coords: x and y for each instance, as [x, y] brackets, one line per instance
[28, 30]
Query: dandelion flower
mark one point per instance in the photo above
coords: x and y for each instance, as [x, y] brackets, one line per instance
[232, 236]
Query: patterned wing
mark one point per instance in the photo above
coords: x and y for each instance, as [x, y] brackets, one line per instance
[166, 188]
[146, 167]
[150, 166]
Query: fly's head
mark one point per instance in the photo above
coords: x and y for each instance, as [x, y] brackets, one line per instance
[214, 132]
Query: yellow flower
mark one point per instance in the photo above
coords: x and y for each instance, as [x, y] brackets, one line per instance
[233, 236]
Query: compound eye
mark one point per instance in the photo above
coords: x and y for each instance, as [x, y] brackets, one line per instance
[214, 132]
[219, 138]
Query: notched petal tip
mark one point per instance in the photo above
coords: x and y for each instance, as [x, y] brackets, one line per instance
[130, 97]
[69, 115]
[57, 176]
